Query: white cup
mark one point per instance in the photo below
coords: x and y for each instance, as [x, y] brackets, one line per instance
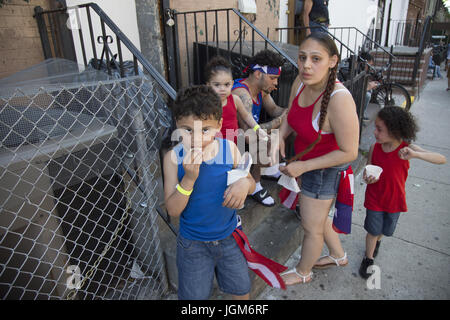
[374, 171]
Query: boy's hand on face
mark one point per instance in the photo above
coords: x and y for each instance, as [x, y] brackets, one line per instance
[191, 164]
[235, 194]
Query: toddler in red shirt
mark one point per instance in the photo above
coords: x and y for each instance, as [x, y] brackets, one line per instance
[385, 196]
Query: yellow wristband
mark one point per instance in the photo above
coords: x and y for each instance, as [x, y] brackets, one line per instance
[183, 191]
[255, 128]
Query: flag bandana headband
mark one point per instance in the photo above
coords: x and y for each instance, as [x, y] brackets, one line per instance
[265, 69]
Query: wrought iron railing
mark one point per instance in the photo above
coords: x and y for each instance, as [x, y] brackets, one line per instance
[196, 36]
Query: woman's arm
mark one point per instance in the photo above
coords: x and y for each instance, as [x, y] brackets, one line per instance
[285, 128]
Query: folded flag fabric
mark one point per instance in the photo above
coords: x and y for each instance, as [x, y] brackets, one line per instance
[342, 220]
[266, 269]
[288, 198]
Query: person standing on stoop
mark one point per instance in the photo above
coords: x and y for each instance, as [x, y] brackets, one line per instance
[385, 197]
[263, 71]
[315, 16]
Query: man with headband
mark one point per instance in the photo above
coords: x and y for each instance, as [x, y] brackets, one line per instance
[263, 71]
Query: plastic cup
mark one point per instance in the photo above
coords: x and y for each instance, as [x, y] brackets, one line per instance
[374, 171]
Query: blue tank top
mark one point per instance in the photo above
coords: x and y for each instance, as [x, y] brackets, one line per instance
[256, 108]
[204, 218]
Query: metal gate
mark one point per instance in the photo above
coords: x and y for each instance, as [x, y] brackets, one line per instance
[80, 174]
[79, 170]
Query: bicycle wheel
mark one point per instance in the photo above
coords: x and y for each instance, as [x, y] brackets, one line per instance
[393, 94]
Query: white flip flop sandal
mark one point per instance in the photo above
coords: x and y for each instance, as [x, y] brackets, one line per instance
[336, 261]
[294, 270]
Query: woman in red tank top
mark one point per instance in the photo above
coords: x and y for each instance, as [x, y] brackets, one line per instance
[327, 131]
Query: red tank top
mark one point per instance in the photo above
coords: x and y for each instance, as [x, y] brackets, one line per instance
[388, 193]
[229, 116]
[300, 119]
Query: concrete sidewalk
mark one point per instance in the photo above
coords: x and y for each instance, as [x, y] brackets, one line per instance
[415, 262]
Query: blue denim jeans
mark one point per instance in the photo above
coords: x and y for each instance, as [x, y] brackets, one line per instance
[378, 222]
[198, 261]
[317, 27]
[322, 183]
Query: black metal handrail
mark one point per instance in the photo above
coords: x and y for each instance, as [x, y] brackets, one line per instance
[333, 35]
[424, 41]
[407, 32]
[195, 36]
[242, 19]
[120, 38]
[189, 66]
[366, 38]
[343, 45]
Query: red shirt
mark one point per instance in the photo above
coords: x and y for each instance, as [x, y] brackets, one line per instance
[229, 116]
[300, 119]
[388, 193]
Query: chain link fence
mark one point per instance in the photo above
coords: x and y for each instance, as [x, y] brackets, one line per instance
[79, 171]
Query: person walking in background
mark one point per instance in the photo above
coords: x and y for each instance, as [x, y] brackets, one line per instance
[323, 114]
[263, 70]
[435, 67]
[385, 196]
[437, 62]
[315, 16]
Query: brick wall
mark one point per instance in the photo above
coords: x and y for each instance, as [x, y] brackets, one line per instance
[20, 44]
[403, 67]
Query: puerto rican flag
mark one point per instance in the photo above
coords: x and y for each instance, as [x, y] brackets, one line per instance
[342, 220]
[266, 269]
[288, 198]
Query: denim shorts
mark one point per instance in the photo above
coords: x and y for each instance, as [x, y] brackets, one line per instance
[322, 183]
[378, 222]
[198, 261]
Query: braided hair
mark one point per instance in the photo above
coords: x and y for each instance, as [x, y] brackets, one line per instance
[330, 46]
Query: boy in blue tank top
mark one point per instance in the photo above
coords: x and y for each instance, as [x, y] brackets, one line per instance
[195, 189]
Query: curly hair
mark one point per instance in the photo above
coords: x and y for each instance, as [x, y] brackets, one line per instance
[266, 58]
[216, 64]
[400, 123]
[200, 101]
